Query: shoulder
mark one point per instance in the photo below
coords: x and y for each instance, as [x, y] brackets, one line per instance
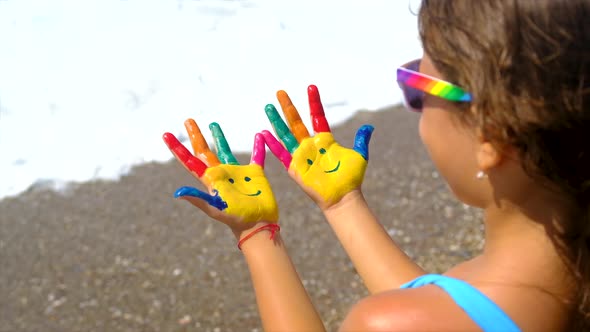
[426, 308]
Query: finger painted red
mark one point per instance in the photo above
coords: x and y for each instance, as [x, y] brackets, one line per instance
[183, 155]
[318, 118]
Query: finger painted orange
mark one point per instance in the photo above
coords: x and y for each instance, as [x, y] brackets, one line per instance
[292, 115]
[200, 146]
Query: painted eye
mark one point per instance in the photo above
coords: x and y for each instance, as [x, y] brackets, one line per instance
[309, 162]
[231, 180]
[322, 151]
[247, 179]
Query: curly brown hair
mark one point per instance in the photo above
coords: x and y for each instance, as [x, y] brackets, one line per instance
[527, 65]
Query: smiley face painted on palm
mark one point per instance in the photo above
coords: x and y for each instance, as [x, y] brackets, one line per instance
[328, 168]
[245, 190]
[238, 190]
[323, 165]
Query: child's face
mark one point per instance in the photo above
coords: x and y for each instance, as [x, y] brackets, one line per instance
[451, 145]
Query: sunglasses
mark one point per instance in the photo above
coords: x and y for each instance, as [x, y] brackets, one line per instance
[415, 84]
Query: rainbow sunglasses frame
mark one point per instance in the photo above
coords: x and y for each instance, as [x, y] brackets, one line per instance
[414, 84]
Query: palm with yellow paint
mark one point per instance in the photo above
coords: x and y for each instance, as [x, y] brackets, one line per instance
[238, 195]
[323, 168]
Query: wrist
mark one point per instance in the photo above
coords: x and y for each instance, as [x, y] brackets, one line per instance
[243, 231]
[351, 200]
[261, 228]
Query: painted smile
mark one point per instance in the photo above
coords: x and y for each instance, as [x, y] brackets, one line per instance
[255, 194]
[335, 169]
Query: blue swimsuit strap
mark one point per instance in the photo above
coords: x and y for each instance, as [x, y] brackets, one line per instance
[479, 307]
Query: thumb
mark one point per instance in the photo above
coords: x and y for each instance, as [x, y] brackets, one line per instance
[362, 139]
[210, 204]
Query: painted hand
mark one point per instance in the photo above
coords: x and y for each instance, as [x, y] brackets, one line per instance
[238, 194]
[323, 168]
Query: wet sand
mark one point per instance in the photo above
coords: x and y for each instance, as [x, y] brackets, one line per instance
[126, 256]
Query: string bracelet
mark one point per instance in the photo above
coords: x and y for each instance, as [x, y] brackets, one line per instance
[272, 228]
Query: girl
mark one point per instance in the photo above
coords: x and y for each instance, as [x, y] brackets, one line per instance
[503, 89]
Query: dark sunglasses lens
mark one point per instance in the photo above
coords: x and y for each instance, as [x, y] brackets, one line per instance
[414, 65]
[413, 98]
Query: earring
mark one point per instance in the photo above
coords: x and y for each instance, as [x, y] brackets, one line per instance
[481, 175]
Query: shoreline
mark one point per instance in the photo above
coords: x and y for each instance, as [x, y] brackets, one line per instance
[63, 187]
[125, 256]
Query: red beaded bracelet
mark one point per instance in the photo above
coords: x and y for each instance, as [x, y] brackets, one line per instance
[273, 228]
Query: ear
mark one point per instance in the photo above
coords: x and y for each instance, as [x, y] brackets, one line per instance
[488, 156]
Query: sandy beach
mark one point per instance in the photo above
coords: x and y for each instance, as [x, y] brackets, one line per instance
[127, 256]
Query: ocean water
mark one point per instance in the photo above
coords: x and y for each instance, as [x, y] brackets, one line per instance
[88, 87]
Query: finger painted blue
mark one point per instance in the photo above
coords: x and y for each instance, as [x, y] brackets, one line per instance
[213, 200]
[362, 139]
